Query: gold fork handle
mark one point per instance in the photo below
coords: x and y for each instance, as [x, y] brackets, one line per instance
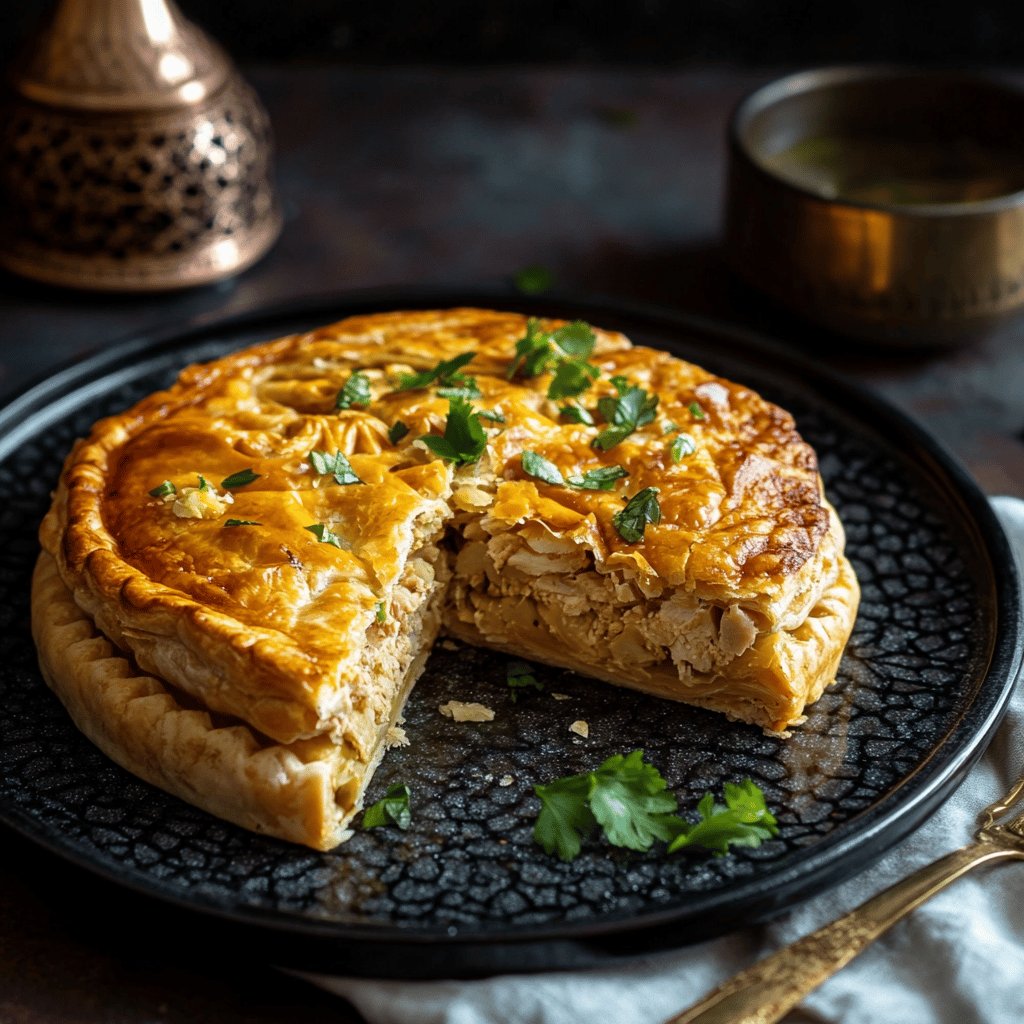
[766, 991]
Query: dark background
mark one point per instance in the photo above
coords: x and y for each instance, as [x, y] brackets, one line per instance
[668, 32]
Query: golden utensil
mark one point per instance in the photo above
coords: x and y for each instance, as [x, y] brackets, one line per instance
[771, 988]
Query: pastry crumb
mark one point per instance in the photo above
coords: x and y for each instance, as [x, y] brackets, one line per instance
[449, 645]
[505, 780]
[561, 696]
[462, 711]
[396, 737]
[580, 727]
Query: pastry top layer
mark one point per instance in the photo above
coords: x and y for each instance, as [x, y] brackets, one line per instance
[285, 616]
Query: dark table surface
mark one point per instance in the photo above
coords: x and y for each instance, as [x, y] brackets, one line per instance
[389, 177]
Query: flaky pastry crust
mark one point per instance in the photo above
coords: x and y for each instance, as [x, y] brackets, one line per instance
[739, 599]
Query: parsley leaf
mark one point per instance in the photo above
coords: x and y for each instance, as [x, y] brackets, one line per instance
[519, 676]
[634, 408]
[467, 390]
[641, 509]
[203, 485]
[381, 614]
[625, 796]
[669, 427]
[628, 799]
[539, 467]
[397, 432]
[564, 350]
[572, 377]
[163, 490]
[744, 820]
[356, 392]
[324, 534]
[631, 804]
[491, 415]
[240, 522]
[533, 352]
[576, 340]
[464, 439]
[573, 413]
[446, 373]
[602, 479]
[336, 464]
[239, 479]
[565, 820]
[391, 809]
[696, 411]
[681, 447]
[533, 280]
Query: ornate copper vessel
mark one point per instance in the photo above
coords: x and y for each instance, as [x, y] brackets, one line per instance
[133, 156]
[931, 251]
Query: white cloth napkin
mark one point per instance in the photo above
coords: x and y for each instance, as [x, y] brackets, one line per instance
[959, 959]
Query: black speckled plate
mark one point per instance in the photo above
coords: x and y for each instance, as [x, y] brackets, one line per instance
[465, 891]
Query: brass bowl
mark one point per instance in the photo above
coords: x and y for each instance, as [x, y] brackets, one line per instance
[882, 203]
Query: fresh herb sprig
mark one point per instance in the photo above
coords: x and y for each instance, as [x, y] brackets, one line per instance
[446, 374]
[464, 439]
[564, 351]
[628, 799]
[743, 820]
[625, 414]
[520, 678]
[336, 465]
[242, 478]
[392, 809]
[163, 490]
[355, 393]
[601, 479]
[641, 509]
[324, 534]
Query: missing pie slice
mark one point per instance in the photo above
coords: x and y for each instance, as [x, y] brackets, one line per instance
[242, 576]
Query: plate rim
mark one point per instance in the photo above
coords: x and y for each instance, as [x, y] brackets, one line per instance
[871, 833]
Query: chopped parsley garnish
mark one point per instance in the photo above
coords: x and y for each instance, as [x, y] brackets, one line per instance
[539, 467]
[519, 677]
[163, 490]
[324, 534]
[469, 390]
[628, 799]
[446, 373]
[464, 439]
[203, 485]
[391, 809]
[572, 377]
[356, 392]
[696, 411]
[744, 820]
[240, 522]
[681, 447]
[669, 427]
[533, 280]
[398, 431]
[381, 614]
[491, 415]
[240, 479]
[573, 413]
[336, 465]
[602, 479]
[641, 509]
[632, 409]
[564, 350]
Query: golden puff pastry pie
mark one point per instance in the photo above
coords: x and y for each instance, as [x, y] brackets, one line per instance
[242, 576]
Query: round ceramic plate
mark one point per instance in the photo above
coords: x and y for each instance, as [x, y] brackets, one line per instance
[466, 890]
